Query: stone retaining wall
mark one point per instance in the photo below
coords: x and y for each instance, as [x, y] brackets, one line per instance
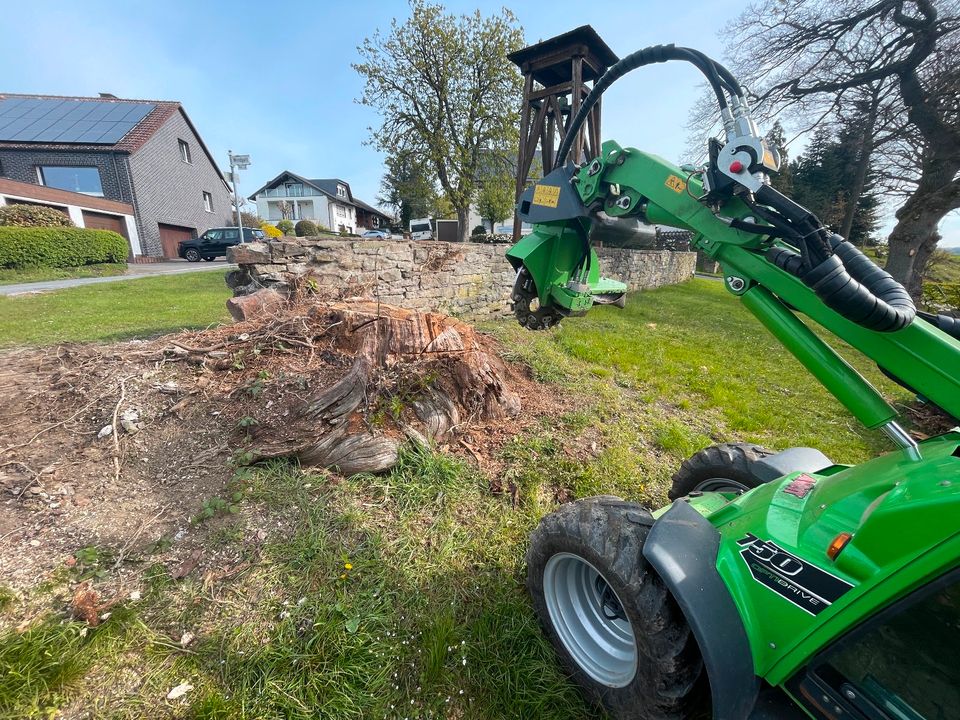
[464, 279]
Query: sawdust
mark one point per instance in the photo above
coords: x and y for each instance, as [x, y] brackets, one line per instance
[116, 446]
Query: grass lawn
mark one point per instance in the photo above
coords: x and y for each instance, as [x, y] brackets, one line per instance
[10, 276]
[115, 310]
[401, 596]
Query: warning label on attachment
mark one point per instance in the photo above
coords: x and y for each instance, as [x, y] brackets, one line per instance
[546, 195]
[675, 184]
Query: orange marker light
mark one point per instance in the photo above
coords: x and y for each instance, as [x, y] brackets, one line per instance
[838, 544]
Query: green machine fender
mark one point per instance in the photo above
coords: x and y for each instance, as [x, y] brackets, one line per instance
[682, 547]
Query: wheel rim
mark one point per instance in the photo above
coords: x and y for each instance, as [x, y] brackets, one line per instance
[721, 485]
[589, 620]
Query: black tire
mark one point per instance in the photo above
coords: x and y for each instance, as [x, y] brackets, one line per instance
[725, 467]
[192, 255]
[209, 258]
[669, 682]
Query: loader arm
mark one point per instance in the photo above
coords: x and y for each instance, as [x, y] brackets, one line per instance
[625, 182]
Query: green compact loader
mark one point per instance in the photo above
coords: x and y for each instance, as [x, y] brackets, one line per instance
[776, 585]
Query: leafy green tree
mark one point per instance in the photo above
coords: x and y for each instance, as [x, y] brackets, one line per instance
[783, 180]
[407, 187]
[495, 200]
[822, 180]
[446, 92]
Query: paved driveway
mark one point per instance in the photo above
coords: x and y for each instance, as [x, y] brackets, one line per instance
[134, 272]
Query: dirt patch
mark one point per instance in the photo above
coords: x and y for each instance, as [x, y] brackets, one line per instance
[116, 446]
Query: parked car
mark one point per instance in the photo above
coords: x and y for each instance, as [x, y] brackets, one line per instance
[422, 229]
[377, 235]
[215, 241]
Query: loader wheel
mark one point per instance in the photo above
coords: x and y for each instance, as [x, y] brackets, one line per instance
[719, 468]
[526, 305]
[612, 621]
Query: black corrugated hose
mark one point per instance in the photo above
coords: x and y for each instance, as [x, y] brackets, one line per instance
[842, 277]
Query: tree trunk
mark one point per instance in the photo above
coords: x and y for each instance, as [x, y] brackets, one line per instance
[413, 374]
[860, 173]
[915, 236]
[463, 217]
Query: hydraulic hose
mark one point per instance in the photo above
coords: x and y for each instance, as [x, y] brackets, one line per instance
[718, 77]
[842, 277]
[849, 283]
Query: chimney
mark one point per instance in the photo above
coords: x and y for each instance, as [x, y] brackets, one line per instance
[109, 96]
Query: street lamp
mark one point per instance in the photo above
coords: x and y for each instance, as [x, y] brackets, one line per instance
[237, 162]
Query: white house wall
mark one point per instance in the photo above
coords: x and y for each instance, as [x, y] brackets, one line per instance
[321, 210]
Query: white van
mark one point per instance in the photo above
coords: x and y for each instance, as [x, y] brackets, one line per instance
[421, 229]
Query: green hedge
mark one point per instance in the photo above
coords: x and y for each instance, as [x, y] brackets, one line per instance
[59, 247]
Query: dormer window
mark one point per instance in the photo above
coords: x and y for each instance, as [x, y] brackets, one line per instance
[341, 191]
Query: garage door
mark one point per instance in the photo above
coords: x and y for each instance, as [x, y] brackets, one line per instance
[170, 235]
[103, 221]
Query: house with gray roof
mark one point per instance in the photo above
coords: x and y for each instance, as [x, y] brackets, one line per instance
[329, 202]
[143, 153]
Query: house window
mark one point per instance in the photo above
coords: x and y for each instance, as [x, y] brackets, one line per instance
[341, 191]
[84, 180]
[208, 202]
[184, 151]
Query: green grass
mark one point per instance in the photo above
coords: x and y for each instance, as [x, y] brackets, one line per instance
[115, 310]
[10, 276]
[402, 595]
[686, 366]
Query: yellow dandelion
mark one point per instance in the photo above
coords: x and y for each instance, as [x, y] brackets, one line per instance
[348, 566]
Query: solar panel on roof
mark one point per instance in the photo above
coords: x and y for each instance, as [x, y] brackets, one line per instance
[116, 112]
[69, 121]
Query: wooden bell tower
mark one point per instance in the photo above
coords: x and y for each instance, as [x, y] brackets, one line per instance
[555, 77]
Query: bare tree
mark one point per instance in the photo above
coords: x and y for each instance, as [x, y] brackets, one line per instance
[891, 63]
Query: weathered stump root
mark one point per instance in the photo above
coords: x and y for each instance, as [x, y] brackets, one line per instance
[413, 373]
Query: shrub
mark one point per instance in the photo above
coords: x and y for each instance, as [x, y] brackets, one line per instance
[19, 215]
[495, 239]
[249, 219]
[270, 231]
[941, 296]
[285, 226]
[305, 227]
[59, 247]
[479, 230]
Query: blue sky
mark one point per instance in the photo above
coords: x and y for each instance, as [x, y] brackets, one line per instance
[273, 80]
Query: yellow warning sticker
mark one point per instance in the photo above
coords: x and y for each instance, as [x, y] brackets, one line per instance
[675, 184]
[546, 195]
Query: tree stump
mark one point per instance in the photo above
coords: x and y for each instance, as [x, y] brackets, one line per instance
[412, 374]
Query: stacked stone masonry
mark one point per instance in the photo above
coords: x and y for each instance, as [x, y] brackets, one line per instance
[463, 279]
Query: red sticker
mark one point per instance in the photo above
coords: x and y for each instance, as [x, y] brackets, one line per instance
[800, 486]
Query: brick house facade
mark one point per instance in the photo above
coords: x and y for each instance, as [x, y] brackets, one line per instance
[174, 192]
